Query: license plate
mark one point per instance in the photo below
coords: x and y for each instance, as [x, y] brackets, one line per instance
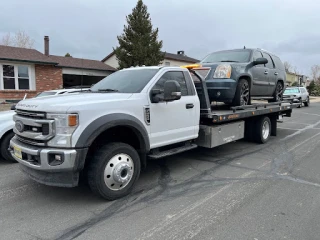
[17, 152]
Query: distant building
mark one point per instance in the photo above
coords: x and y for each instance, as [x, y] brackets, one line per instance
[296, 79]
[170, 59]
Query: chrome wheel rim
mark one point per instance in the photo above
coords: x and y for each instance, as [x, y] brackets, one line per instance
[279, 92]
[265, 130]
[118, 172]
[245, 93]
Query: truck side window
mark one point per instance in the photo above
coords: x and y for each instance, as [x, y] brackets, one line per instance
[173, 75]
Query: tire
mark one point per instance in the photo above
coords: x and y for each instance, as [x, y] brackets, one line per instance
[300, 103]
[307, 103]
[5, 142]
[278, 93]
[242, 95]
[262, 130]
[113, 170]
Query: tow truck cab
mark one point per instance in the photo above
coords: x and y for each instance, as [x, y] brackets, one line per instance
[131, 115]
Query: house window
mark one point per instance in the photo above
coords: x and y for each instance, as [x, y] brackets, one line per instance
[167, 63]
[15, 77]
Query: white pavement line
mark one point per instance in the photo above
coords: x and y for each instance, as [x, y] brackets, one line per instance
[301, 143]
[295, 128]
[311, 114]
[300, 131]
[298, 123]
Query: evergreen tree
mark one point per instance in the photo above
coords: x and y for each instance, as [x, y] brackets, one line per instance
[67, 55]
[138, 44]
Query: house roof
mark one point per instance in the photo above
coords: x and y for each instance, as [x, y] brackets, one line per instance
[71, 62]
[9, 53]
[171, 56]
[24, 54]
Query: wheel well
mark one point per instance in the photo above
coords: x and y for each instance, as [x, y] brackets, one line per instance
[246, 78]
[282, 82]
[125, 134]
[5, 134]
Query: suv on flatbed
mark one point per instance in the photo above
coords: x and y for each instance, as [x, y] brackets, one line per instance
[239, 75]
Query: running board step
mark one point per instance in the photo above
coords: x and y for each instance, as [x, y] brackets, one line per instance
[172, 151]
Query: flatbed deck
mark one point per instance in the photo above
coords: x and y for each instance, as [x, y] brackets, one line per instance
[224, 113]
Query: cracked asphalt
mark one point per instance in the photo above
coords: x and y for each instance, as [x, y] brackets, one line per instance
[237, 191]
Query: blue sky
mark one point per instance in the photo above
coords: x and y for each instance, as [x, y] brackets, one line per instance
[88, 28]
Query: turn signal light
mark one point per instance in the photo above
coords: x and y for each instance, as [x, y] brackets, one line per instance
[191, 66]
[73, 120]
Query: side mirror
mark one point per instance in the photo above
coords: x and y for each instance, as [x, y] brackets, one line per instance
[13, 107]
[259, 61]
[172, 90]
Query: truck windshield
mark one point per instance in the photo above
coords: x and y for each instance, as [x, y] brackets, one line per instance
[127, 81]
[228, 56]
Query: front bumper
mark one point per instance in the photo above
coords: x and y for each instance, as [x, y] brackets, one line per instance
[291, 98]
[220, 90]
[36, 162]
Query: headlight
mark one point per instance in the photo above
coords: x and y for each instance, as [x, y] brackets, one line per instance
[65, 125]
[222, 71]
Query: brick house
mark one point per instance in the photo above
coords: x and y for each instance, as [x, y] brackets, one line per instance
[30, 71]
[170, 59]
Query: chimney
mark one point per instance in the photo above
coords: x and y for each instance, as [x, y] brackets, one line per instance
[180, 52]
[46, 45]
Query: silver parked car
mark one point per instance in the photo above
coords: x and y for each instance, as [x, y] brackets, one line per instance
[297, 95]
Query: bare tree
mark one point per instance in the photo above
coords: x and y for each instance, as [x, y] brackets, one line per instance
[6, 40]
[315, 73]
[20, 39]
[287, 66]
[295, 70]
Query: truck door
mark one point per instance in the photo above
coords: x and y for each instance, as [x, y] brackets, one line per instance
[176, 121]
[259, 77]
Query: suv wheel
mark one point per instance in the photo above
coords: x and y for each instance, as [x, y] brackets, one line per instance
[278, 93]
[307, 103]
[113, 170]
[242, 96]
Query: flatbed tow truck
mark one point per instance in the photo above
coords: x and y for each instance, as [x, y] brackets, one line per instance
[110, 131]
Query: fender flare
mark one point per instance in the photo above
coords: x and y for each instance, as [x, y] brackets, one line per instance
[103, 123]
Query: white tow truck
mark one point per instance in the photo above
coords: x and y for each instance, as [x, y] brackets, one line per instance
[134, 114]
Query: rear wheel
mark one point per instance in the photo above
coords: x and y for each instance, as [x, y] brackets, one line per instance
[278, 93]
[4, 147]
[242, 95]
[262, 130]
[113, 170]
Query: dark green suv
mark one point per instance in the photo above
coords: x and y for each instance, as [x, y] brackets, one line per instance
[239, 75]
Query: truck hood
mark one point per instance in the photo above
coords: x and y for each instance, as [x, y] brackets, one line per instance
[63, 102]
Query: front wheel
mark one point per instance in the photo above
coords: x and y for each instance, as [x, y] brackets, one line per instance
[113, 170]
[242, 95]
[307, 103]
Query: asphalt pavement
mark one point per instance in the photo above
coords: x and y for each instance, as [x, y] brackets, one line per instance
[237, 191]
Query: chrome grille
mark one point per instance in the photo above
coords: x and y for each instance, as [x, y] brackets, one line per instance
[33, 127]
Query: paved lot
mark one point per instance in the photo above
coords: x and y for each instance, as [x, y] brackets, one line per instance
[237, 191]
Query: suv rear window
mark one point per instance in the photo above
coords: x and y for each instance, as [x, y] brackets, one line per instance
[278, 63]
[228, 56]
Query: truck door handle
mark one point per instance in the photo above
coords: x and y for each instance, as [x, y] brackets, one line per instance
[189, 105]
[275, 73]
[265, 72]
